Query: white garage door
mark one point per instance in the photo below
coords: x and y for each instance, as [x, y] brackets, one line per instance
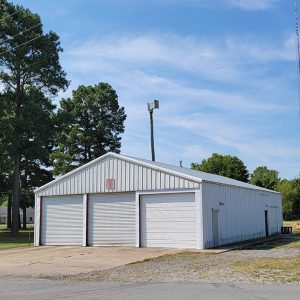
[273, 223]
[168, 220]
[111, 219]
[62, 220]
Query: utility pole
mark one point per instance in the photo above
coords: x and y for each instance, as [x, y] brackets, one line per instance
[151, 107]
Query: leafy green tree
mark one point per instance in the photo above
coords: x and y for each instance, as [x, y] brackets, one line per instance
[224, 165]
[90, 124]
[285, 187]
[290, 191]
[28, 58]
[296, 202]
[265, 178]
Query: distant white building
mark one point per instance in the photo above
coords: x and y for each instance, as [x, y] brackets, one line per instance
[29, 215]
[120, 200]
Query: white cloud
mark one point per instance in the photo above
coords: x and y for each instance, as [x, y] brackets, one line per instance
[253, 144]
[253, 5]
[199, 57]
[215, 95]
[261, 51]
[223, 61]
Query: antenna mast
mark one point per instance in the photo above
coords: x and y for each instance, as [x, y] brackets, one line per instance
[297, 54]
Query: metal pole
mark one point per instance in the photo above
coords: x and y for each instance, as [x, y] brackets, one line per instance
[152, 134]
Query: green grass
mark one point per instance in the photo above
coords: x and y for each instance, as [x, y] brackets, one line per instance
[295, 224]
[8, 242]
[274, 269]
[278, 243]
[4, 204]
[3, 228]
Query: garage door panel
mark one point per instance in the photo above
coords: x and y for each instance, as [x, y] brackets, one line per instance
[161, 230]
[165, 206]
[111, 219]
[172, 244]
[171, 213]
[62, 220]
[167, 236]
[166, 239]
[168, 220]
[178, 226]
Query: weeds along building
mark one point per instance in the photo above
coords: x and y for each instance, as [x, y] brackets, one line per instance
[123, 201]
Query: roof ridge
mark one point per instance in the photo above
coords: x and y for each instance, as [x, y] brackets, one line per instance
[183, 172]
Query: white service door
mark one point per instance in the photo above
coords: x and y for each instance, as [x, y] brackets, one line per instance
[273, 222]
[111, 220]
[62, 220]
[168, 220]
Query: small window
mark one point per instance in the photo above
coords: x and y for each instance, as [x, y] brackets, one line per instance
[30, 219]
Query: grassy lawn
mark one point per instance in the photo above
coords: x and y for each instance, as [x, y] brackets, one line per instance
[8, 242]
[295, 224]
[283, 270]
[275, 269]
[278, 244]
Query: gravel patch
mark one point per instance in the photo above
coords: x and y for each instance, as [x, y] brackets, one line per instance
[190, 267]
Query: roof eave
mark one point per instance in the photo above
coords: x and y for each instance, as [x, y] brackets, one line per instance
[243, 187]
[187, 177]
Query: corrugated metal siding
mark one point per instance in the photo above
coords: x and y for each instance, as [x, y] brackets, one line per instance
[168, 220]
[62, 220]
[273, 223]
[241, 212]
[128, 177]
[111, 220]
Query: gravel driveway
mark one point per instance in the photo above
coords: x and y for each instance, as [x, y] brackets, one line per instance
[143, 264]
[192, 267]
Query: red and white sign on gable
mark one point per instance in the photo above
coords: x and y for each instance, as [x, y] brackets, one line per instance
[110, 184]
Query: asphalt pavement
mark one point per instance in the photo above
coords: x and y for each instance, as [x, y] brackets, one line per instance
[38, 289]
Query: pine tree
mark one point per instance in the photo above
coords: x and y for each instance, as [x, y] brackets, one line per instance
[28, 58]
[90, 124]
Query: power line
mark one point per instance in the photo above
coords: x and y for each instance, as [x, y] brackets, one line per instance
[106, 33]
[21, 44]
[39, 61]
[20, 33]
[10, 15]
[141, 18]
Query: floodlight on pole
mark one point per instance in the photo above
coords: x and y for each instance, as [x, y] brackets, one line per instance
[151, 106]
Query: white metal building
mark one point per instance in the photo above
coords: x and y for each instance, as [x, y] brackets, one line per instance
[120, 200]
[29, 215]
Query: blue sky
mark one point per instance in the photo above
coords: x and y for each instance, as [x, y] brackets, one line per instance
[223, 70]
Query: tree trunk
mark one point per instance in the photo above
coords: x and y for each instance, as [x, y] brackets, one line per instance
[16, 199]
[8, 218]
[24, 218]
[17, 158]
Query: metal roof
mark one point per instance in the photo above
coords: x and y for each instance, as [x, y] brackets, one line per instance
[187, 173]
[202, 175]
